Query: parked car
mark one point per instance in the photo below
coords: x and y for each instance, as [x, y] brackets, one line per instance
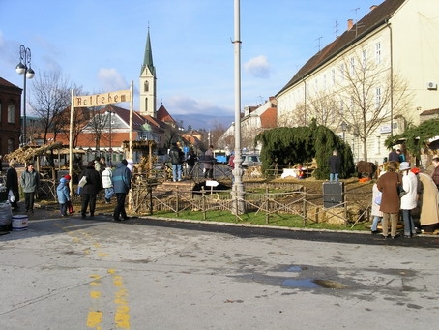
[251, 160]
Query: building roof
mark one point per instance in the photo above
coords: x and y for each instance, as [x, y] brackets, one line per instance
[269, 118]
[430, 112]
[374, 19]
[6, 83]
[163, 115]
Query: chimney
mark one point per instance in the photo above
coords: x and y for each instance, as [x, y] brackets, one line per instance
[350, 23]
[372, 7]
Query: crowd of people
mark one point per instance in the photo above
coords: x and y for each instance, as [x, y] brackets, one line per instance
[402, 189]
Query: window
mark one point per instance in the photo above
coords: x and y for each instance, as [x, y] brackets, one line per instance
[378, 53]
[146, 104]
[146, 86]
[1, 112]
[352, 64]
[11, 112]
[364, 58]
[378, 97]
[11, 145]
[341, 71]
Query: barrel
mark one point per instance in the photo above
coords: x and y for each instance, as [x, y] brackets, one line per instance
[19, 222]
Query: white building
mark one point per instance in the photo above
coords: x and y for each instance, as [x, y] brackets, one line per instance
[377, 77]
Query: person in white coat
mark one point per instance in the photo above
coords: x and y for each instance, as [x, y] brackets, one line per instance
[107, 184]
[410, 200]
[375, 209]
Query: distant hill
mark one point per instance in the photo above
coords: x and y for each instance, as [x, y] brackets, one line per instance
[200, 121]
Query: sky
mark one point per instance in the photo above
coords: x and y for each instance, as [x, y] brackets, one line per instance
[100, 44]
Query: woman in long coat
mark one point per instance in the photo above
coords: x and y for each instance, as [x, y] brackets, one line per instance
[429, 204]
[387, 184]
[12, 183]
[90, 190]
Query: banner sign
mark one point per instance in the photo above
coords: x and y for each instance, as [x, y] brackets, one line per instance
[102, 99]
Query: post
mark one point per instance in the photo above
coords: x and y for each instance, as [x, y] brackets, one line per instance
[238, 186]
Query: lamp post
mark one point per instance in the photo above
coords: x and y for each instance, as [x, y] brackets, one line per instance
[24, 68]
[344, 127]
[110, 114]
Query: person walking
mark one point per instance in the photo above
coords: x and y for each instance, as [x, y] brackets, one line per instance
[334, 163]
[63, 194]
[208, 163]
[176, 156]
[90, 190]
[122, 184]
[387, 185]
[409, 199]
[107, 184]
[12, 184]
[30, 183]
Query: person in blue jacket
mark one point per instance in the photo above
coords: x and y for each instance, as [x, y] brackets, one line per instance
[63, 193]
[121, 184]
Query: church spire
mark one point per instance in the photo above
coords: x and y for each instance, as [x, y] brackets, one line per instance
[147, 58]
[148, 83]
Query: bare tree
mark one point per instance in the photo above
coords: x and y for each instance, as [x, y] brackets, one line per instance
[369, 95]
[51, 96]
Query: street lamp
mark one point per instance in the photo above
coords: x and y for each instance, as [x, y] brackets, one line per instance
[24, 68]
[344, 127]
[110, 114]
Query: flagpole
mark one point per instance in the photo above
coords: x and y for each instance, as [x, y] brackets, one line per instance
[131, 123]
[71, 148]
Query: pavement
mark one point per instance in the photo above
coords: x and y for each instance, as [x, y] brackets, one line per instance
[150, 273]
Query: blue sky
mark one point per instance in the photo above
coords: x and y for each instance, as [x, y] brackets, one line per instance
[99, 44]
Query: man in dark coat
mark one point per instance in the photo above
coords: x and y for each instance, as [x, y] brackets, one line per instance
[393, 156]
[12, 183]
[121, 184]
[90, 190]
[334, 163]
[176, 156]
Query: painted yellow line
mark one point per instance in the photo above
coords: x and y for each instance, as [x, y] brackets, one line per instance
[122, 316]
[94, 319]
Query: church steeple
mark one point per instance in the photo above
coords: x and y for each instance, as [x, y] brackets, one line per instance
[148, 84]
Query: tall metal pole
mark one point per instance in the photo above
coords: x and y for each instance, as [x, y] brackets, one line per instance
[111, 150]
[238, 186]
[24, 68]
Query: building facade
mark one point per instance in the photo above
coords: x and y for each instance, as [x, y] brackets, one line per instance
[10, 125]
[373, 80]
[148, 83]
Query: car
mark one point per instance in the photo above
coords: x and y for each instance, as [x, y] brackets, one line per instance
[251, 160]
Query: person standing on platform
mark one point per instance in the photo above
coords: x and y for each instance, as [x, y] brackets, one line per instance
[176, 156]
[334, 163]
[208, 163]
[30, 183]
[121, 184]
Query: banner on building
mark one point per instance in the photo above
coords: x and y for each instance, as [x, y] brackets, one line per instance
[102, 99]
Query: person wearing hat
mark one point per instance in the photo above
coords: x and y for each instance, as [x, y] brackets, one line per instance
[63, 193]
[30, 183]
[409, 199]
[121, 184]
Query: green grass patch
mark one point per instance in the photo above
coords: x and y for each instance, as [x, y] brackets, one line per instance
[253, 218]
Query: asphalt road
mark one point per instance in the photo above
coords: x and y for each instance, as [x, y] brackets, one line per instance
[150, 274]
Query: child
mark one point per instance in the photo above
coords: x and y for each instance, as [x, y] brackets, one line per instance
[63, 195]
[107, 184]
[69, 203]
